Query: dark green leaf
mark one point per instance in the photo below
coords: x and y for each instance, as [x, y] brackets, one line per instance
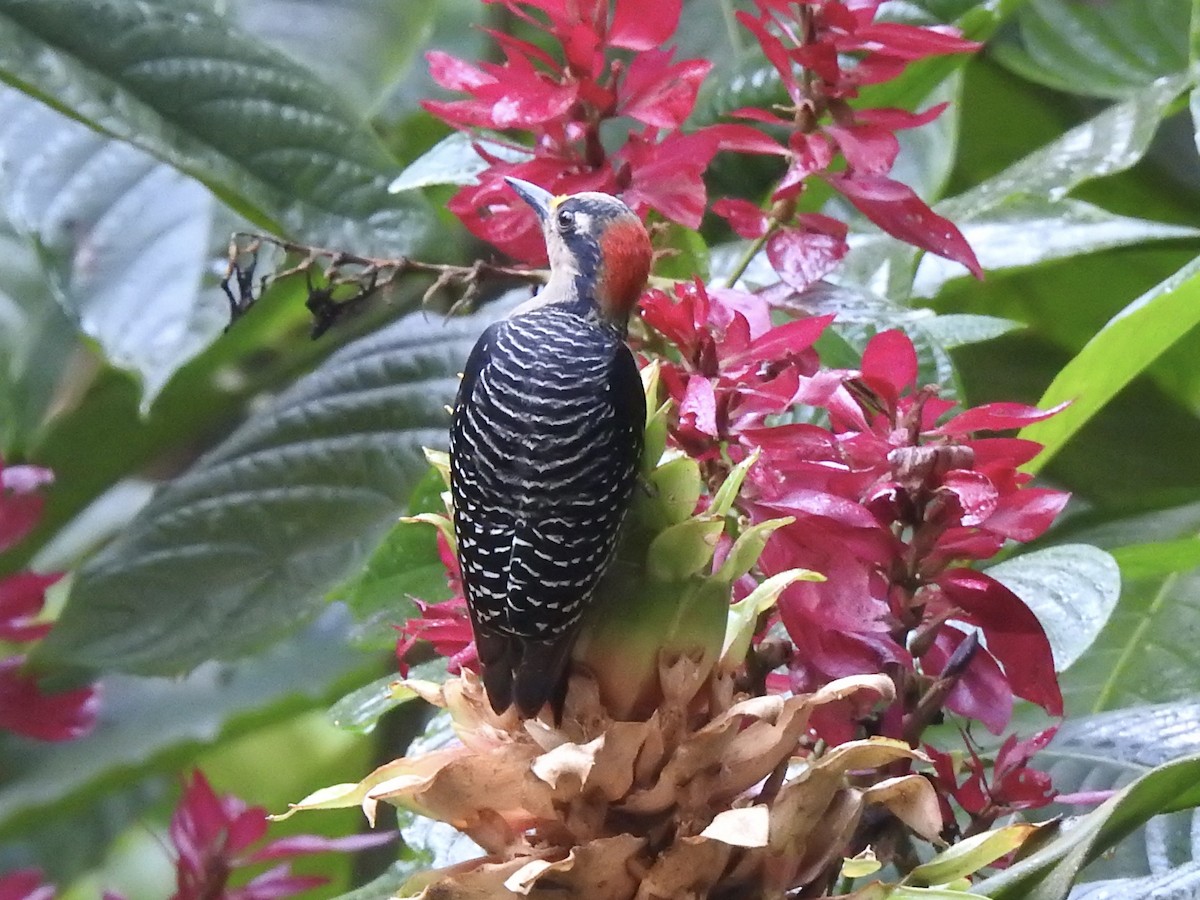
[186, 85]
[149, 724]
[454, 160]
[365, 45]
[36, 340]
[240, 549]
[1099, 49]
[1111, 142]
[1123, 349]
[1147, 652]
[123, 238]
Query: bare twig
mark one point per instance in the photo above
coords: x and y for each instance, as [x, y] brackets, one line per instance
[340, 283]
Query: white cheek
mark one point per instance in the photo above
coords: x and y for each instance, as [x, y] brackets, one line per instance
[583, 223]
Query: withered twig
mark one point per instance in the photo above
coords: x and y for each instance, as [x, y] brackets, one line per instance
[339, 283]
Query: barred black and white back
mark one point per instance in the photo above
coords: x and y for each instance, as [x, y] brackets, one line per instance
[545, 446]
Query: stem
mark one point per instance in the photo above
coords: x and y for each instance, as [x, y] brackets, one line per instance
[748, 257]
[731, 28]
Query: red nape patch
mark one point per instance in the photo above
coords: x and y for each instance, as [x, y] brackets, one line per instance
[625, 265]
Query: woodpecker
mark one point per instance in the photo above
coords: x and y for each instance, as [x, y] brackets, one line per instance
[545, 443]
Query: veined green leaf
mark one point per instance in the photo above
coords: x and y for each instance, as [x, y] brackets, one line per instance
[1097, 49]
[151, 724]
[123, 239]
[241, 549]
[186, 85]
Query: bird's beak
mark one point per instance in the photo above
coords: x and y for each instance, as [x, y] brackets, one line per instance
[539, 198]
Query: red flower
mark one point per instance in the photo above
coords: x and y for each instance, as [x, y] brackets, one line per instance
[26, 710]
[215, 836]
[25, 884]
[20, 502]
[1013, 785]
[561, 101]
[445, 625]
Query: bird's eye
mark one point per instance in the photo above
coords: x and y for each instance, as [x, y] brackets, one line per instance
[565, 220]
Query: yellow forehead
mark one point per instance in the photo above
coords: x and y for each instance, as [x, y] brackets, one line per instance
[557, 201]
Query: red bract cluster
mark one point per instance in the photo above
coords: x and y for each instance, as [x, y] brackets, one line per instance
[214, 836]
[889, 503]
[24, 708]
[824, 51]
[562, 99]
[1013, 784]
[445, 626]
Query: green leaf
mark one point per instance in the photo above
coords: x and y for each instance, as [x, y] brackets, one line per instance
[1098, 49]
[1130, 342]
[1026, 230]
[406, 566]
[36, 340]
[1109, 143]
[156, 724]
[1071, 588]
[959, 329]
[1108, 751]
[184, 84]
[366, 46]
[360, 710]
[454, 160]
[123, 238]
[970, 855]
[1049, 873]
[241, 548]
[1145, 652]
[1160, 558]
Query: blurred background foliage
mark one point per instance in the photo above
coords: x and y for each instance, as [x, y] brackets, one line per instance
[213, 489]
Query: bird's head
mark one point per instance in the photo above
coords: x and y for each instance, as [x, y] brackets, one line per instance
[599, 250]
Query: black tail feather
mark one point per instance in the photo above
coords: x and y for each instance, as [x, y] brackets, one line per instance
[497, 657]
[540, 676]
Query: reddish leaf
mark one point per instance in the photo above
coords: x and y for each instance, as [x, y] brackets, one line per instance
[775, 52]
[867, 148]
[803, 257]
[891, 359]
[901, 213]
[908, 42]
[699, 408]
[897, 119]
[742, 139]
[745, 218]
[997, 417]
[638, 25]
[1014, 635]
[788, 338]
[304, 844]
[977, 496]
[660, 94]
[26, 710]
[1026, 514]
[981, 692]
[272, 884]
[455, 74]
[668, 176]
